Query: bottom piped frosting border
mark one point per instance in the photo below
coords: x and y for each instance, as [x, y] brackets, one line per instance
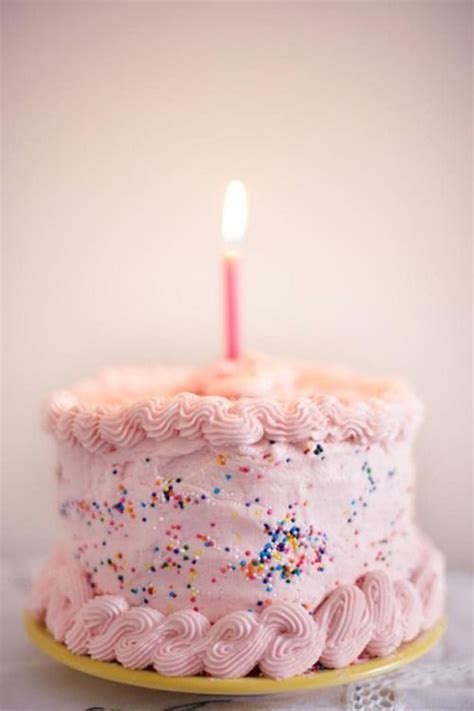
[371, 618]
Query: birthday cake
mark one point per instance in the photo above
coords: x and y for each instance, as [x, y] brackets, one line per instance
[251, 516]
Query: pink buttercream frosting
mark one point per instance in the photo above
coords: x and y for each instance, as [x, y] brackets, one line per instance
[179, 649]
[410, 607]
[256, 513]
[284, 640]
[231, 403]
[345, 617]
[235, 644]
[294, 641]
[384, 612]
[184, 525]
[92, 620]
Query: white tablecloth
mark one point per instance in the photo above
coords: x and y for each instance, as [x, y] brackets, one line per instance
[443, 680]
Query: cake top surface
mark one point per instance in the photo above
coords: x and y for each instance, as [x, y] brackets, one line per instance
[232, 403]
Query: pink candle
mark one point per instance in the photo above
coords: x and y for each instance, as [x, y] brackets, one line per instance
[231, 304]
[234, 225]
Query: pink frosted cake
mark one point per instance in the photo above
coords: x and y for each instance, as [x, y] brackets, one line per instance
[251, 515]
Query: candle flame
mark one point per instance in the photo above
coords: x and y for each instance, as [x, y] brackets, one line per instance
[234, 215]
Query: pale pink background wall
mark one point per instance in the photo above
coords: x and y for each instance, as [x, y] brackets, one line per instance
[350, 124]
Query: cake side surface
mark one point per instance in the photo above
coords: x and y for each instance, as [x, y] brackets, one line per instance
[218, 530]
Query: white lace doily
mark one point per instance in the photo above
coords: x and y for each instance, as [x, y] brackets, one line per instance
[396, 692]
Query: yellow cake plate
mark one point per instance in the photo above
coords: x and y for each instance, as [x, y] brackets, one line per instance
[112, 671]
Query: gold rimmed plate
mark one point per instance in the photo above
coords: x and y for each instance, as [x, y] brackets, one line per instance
[250, 685]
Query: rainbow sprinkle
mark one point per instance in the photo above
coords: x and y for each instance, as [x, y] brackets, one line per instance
[290, 550]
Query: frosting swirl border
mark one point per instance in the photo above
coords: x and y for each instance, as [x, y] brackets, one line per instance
[220, 421]
[367, 618]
